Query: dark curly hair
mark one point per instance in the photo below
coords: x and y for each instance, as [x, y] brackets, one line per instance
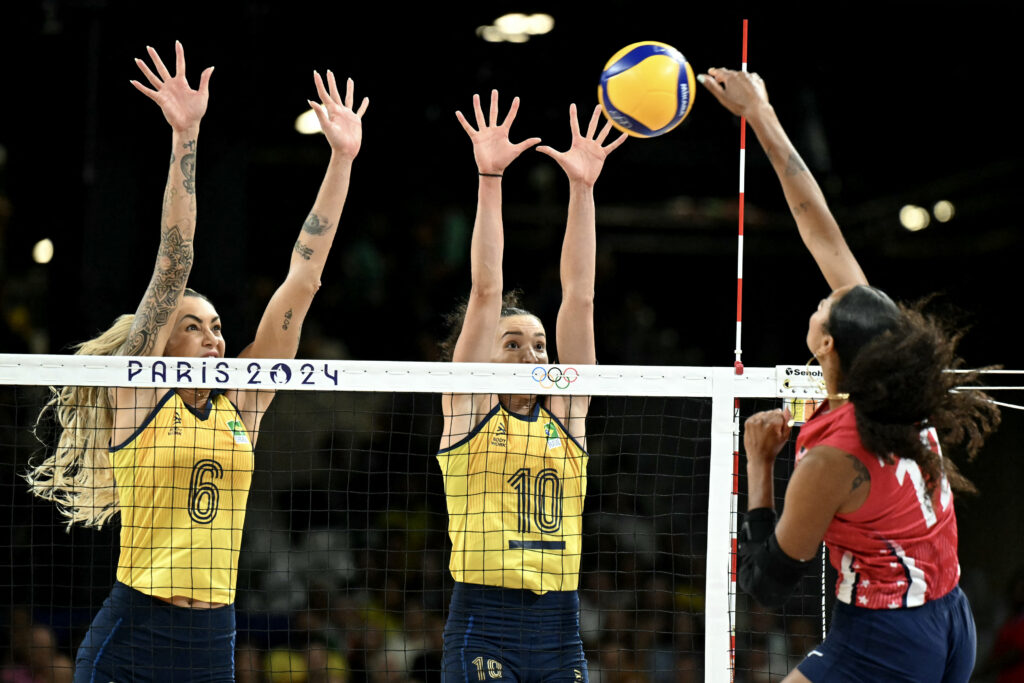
[893, 360]
[510, 305]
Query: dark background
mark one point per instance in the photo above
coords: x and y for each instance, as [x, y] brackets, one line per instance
[889, 104]
[906, 103]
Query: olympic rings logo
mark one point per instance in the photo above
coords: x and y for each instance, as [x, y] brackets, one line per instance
[554, 377]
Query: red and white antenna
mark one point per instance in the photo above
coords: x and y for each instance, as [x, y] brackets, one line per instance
[739, 253]
[734, 555]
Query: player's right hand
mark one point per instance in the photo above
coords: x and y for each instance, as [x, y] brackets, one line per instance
[492, 148]
[182, 106]
[739, 91]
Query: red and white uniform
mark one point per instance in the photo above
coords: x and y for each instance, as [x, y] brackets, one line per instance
[899, 549]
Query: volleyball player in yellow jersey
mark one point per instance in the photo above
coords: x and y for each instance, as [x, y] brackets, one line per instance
[177, 463]
[515, 466]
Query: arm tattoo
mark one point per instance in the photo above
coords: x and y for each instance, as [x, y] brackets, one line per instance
[173, 263]
[795, 164]
[287, 319]
[188, 167]
[315, 225]
[800, 208]
[862, 473]
[302, 250]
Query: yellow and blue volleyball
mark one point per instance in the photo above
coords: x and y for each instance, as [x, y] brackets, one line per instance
[646, 89]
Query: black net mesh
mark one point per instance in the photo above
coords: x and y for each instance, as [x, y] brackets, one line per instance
[771, 642]
[343, 566]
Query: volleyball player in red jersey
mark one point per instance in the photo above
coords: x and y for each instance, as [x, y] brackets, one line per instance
[871, 480]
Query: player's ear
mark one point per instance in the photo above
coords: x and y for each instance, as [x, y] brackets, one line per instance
[828, 344]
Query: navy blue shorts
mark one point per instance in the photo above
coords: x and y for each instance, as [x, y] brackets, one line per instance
[934, 642]
[501, 634]
[135, 637]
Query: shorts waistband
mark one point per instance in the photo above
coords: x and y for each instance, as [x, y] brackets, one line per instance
[950, 598]
[511, 598]
[124, 597]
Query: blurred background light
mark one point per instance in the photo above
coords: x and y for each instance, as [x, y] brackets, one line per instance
[914, 218]
[516, 27]
[307, 123]
[42, 252]
[943, 211]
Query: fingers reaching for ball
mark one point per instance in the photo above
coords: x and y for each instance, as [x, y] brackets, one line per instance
[740, 92]
[340, 123]
[492, 148]
[584, 160]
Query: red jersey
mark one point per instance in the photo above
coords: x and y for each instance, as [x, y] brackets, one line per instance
[899, 549]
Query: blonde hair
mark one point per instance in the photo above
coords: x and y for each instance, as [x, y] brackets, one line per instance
[78, 475]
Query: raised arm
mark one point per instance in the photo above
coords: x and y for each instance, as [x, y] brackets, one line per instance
[574, 330]
[493, 152]
[744, 94]
[183, 108]
[278, 332]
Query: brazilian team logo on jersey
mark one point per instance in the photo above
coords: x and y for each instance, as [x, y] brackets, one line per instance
[238, 431]
[551, 432]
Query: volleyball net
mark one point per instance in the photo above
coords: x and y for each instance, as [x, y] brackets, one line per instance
[343, 572]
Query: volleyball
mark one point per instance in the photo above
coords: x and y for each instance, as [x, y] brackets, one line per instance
[646, 89]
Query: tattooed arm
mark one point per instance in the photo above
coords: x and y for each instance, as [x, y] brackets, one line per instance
[278, 333]
[828, 481]
[183, 108]
[744, 94]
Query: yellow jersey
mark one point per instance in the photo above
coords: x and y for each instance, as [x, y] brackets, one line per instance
[515, 488]
[182, 482]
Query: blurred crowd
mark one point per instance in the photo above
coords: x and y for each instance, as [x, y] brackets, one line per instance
[381, 633]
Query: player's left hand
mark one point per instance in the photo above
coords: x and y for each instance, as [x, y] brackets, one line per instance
[340, 122]
[765, 433]
[585, 158]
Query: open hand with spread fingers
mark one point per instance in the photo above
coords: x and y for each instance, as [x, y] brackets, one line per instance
[182, 106]
[341, 123]
[492, 148]
[585, 158]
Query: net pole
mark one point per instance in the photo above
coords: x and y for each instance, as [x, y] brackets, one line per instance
[720, 590]
[824, 564]
[733, 542]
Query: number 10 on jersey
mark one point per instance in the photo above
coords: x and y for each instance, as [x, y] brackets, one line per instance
[539, 504]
